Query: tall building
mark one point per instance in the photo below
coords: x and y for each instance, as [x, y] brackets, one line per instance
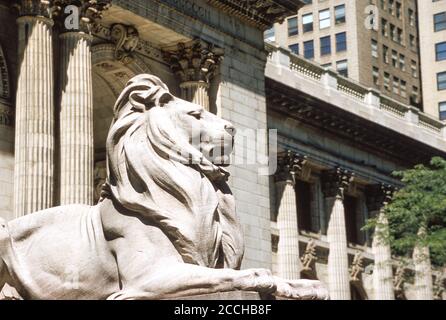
[373, 42]
[432, 22]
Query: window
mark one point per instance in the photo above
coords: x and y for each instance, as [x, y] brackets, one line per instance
[303, 189]
[398, 10]
[399, 36]
[391, 5]
[414, 68]
[339, 14]
[394, 59]
[403, 87]
[402, 62]
[341, 42]
[412, 41]
[440, 21]
[442, 109]
[441, 81]
[374, 48]
[325, 45]
[393, 34]
[342, 67]
[292, 27]
[384, 27]
[387, 81]
[396, 84]
[353, 213]
[307, 21]
[385, 54]
[411, 17]
[375, 76]
[269, 35]
[294, 48]
[309, 49]
[440, 51]
[324, 19]
[414, 96]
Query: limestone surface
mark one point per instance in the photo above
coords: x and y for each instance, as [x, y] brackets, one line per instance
[165, 226]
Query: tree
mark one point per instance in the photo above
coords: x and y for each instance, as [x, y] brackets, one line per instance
[419, 205]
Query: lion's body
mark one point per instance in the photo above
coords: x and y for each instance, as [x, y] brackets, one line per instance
[166, 225]
[63, 248]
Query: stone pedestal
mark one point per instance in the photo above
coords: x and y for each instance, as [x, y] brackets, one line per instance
[231, 295]
[76, 120]
[34, 130]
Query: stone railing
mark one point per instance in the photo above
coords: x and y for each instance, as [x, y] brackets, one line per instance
[370, 97]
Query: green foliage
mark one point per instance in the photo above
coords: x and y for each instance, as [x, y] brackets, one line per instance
[420, 205]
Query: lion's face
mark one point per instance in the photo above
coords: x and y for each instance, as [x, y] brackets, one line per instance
[209, 134]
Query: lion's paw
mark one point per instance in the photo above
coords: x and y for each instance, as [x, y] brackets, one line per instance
[259, 280]
[300, 289]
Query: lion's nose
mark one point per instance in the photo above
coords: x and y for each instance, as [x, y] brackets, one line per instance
[231, 129]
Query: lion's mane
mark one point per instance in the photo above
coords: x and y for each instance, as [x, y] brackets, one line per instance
[150, 167]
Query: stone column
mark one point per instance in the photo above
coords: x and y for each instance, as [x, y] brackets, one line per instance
[334, 183]
[377, 198]
[34, 133]
[423, 271]
[76, 107]
[195, 64]
[289, 264]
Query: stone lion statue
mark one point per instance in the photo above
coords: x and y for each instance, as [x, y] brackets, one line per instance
[165, 226]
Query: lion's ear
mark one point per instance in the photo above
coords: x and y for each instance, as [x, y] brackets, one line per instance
[141, 100]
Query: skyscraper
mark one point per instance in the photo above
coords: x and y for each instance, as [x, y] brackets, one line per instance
[370, 41]
[432, 22]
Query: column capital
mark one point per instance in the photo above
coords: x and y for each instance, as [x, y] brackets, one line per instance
[399, 279]
[379, 195]
[35, 8]
[195, 61]
[289, 165]
[336, 181]
[81, 16]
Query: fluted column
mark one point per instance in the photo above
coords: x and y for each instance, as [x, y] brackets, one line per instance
[195, 64]
[377, 198]
[34, 134]
[289, 264]
[423, 271]
[334, 183]
[76, 109]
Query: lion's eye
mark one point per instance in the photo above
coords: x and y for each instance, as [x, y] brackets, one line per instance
[195, 114]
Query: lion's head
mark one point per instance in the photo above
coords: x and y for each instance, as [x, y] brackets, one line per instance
[164, 161]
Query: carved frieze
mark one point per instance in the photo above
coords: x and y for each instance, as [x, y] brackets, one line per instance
[399, 279]
[309, 257]
[335, 182]
[261, 13]
[291, 164]
[196, 61]
[6, 116]
[357, 267]
[126, 39]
